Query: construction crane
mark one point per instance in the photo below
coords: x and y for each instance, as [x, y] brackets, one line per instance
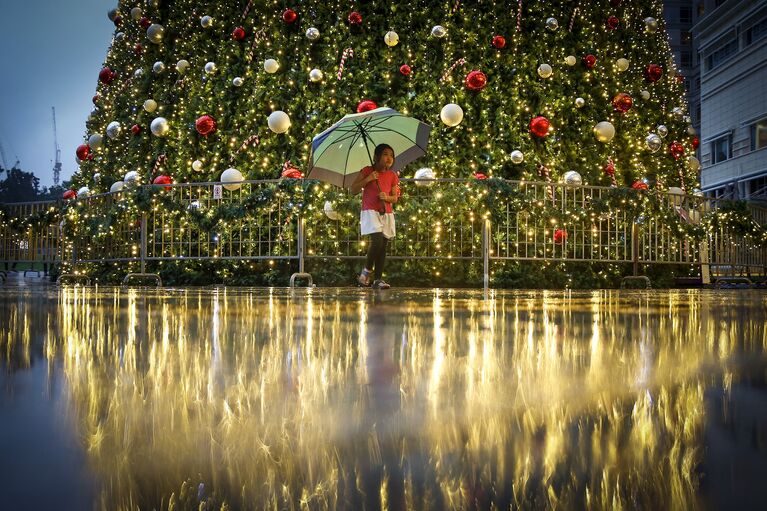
[57, 164]
[2, 157]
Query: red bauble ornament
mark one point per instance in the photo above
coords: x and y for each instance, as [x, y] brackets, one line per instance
[138, 49]
[539, 126]
[107, 76]
[640, 185]
[135, 129]
[366, 105]
[476, 80]
[238, 34]
[83, 152]
[355, 18]
[622, 102]
[292, 173]
[289, 16]
[405, 69]
[480, 176]
[145, 22]
[589, 61]
[118, 21]
[95, 98]
[499, 42]
[609, 169]
[613, 23]
[205, 125]
[69, 195]
[615, 3]
[695, 142]
[676, 150]
[163, 180]
[560, 235]
[653, 72]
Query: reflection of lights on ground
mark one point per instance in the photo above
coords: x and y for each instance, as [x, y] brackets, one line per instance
[274, 398]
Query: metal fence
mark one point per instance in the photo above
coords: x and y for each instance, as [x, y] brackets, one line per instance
[33, 248]
[262, 221]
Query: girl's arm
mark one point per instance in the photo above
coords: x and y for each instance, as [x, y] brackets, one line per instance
[361, 180]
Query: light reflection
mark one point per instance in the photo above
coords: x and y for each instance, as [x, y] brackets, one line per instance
[346, 400]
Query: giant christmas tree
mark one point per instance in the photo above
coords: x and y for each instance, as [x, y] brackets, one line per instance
[529, 90]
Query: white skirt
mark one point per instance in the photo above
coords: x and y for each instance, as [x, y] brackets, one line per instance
[372, 221]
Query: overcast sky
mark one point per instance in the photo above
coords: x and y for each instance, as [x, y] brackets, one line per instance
[51, 53]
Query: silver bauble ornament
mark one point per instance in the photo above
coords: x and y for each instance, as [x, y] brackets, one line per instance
[279, 121]
[451, 114]
[117, 186]
[330, 212]
[315, 75]
[112, 14]
[552, 24]
[653, 142]
[150, 105]
[312, 34]
[160, 127]
[210, 67]
[237, 81]
[545, 71]
[132, 178]
[182, 65]
[570, 60]
[84, 191]
[206, 21]
[604, 131]
[645, 94]
[426, 175]
[136, 13]
[113, 129]
[580, 102]
[622, 64]
[693, 163]
[271, 66]
[650, 25]
[197, 165]
[517, 157]
[232, 179]
[138, 73]
[662, 130]
[438, 31]
[119, 36]
[97, 177]
[677, 112]
[158, 67]
[155, 33]
[691, 130]
[572, 177]
[391, 38]
[153, 3]
[95, 141]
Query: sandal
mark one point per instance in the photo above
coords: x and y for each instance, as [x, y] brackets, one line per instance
[364, 278]
[380, 284]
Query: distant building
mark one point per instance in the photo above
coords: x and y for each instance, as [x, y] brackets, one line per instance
[731, 36]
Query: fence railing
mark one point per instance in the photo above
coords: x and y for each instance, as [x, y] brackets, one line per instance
[527, 221]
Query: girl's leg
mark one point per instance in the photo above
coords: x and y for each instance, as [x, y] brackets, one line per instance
[372, 256]
[381, 257]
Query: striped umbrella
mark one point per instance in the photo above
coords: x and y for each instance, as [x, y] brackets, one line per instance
[339, 152]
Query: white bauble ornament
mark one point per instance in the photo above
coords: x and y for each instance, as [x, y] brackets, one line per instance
[604, 131]
[153, 3]
[158, 67]
[312, 34]
[119, 36]
[451, 114]
[329, 212]
[197, 165]
[232, 179]
[552, 24]
[438, 31]
[653, 142]
[650, 25]
[150, 105]
[279, 121]
[160, 127]
[138, 73]
[391, 38]
[572, 177]
[206, 21]
[237, 81]
[426, 174]
[662, 130]
[693, 163]
[580, 102]
[136, 13]
[645, 94]
[182, 65]
[677, 112]
[271, 66]
[545, 71]
[570, 60]
[132, 178]
[155, 33]
[95, 141]
[315, 75]
[84, 191]
[210, 67]
[622, 64]
[116, 186]
[691, 130]
[113, 129]
[517, 157]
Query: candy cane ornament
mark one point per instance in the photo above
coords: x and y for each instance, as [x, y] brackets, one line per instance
[458, 62]
[348, 52]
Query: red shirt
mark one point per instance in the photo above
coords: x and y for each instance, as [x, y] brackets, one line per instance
[388, 181]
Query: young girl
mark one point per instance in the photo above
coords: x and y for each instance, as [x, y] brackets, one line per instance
[380, 189]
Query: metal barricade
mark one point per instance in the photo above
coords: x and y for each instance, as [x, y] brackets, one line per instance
[29, 247]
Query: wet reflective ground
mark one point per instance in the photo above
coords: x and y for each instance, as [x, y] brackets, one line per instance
[348, 399]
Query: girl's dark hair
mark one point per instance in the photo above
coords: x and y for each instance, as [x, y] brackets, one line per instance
[380, 148]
